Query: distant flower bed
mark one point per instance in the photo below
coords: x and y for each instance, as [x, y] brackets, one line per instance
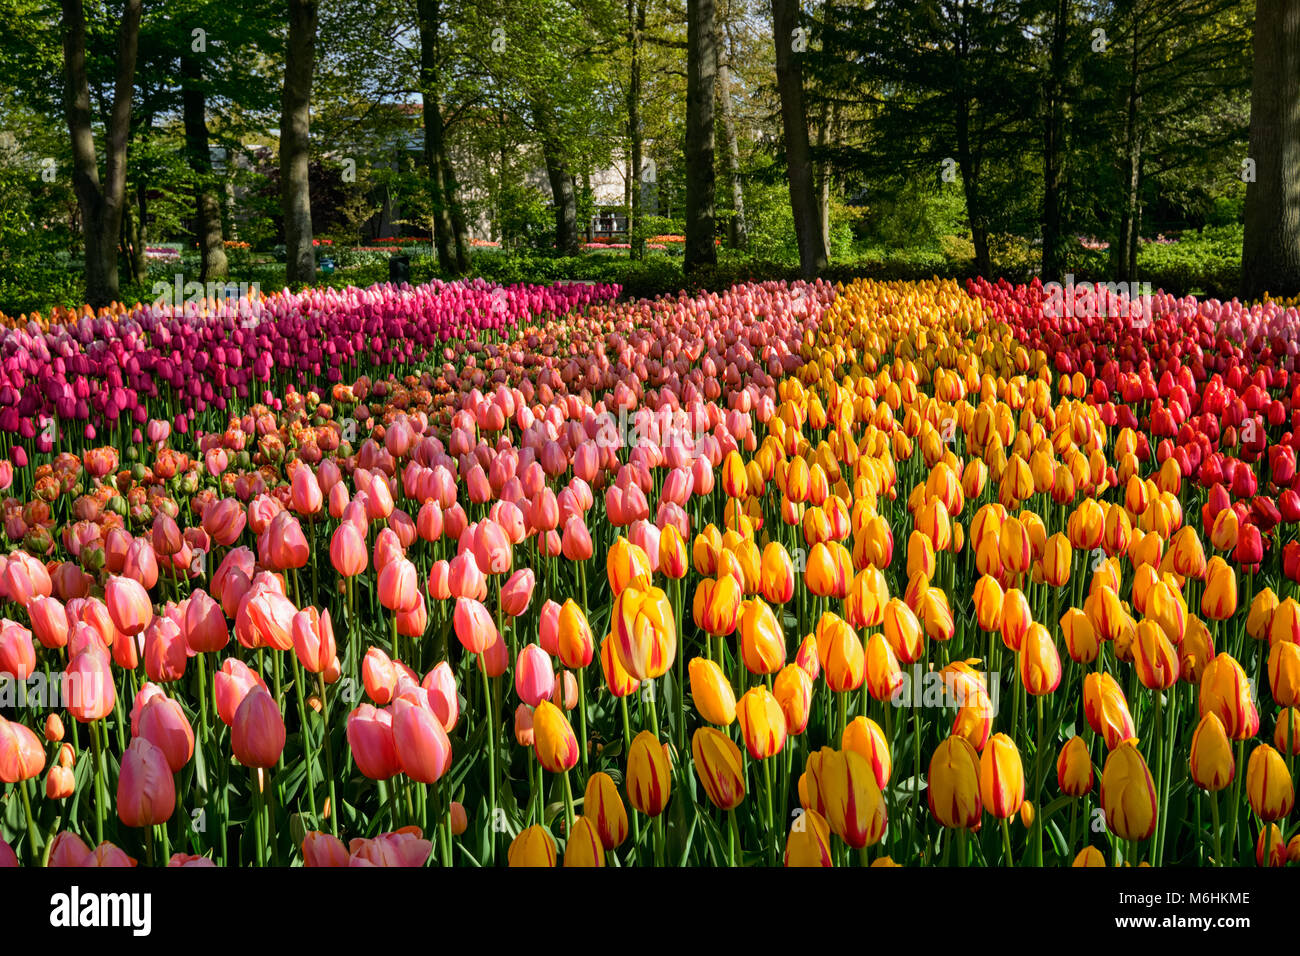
[162, 254]
[484, 244]
[400, 241]
[234, 244]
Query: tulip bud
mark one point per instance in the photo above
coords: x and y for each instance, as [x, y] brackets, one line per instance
[146, 789]
[258, 733]
[604, 808]
[1128, 793]
[1002, 777]
[534, 847]
[649, 778]
[864, 737]
[953, 789]
[809, 841]
[762, 723]
[1269, 788]
[714, 699]
[554, 740]
[720, 767]
[583, 847]
[1074, 768]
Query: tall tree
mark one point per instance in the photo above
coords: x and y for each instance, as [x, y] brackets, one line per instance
[737, 232]
[1270, 258]
[207, 205]
[1171, 74]
[1054, 139]
[295, 147]
[701, 94]
[100, 203]
[448, 220]
[635, 132]
[794, 122]
[559, 173]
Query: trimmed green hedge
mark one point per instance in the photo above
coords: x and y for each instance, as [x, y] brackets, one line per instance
[1207, 263]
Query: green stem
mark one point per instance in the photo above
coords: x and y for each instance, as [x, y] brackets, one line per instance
[492, 758]
[32, 839]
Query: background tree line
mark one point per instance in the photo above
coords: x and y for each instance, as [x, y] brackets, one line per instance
[1056, 134]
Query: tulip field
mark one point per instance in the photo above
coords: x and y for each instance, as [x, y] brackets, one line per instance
[801, 574]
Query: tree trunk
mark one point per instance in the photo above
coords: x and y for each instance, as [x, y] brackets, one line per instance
[969, 165]
[1126, 253]
[134, 240]
[460, 239]
[563, 195]
[1270, 256]
[829, 116]
[295, 127]
[502, 183]
[207, 208]
[824, 178]
[636, 27]
[448, 240]
[133, 243]
[738, 232]
[794, 122]
[1053, 261]
[701, 94]
[100, 205]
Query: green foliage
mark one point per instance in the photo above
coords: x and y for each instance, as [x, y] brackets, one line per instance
[1208, 262]
[525, 218]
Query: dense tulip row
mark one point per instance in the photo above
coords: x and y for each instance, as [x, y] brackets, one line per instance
[885, 574]
[126, 366]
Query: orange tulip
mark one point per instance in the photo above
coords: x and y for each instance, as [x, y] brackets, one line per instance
[714, 699]
[1040, 665]
[553, 738]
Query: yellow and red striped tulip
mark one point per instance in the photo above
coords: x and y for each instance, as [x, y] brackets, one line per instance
[649, 777]
[1128, 793]
[1074, 772]
[953, 784]
[1211, 762]
[1002, 777]
[762, 723]
[603, 807]
[720, 767]
[864, 737]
